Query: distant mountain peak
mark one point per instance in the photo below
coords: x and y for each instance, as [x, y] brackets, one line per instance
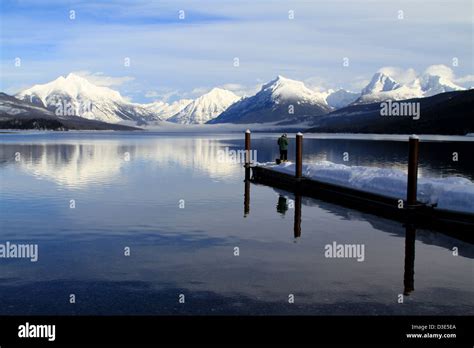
[380, 82]
[22, 114]
[165, 110]
[74, 95]
[280, 99]
[283, 89]
[73, 86]
[280, 80]
[205, 108]
[216, 90]
[432, 83]
[73, 76]
[340, 98]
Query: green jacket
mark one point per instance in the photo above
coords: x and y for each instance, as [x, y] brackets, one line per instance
[283, 143]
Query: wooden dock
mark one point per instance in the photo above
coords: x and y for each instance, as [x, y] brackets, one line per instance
[458, 224]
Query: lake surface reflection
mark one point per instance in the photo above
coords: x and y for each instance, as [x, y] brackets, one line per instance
[182, 213]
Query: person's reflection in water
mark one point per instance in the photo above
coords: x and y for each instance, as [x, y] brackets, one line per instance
[282, 205]
[282, 208]
[409, 274]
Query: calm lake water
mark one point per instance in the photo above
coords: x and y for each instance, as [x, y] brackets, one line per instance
[181, 213]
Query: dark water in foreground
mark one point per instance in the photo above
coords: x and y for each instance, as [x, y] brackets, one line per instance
[190, 249]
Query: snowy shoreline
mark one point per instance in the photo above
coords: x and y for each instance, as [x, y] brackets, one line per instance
[450, 193]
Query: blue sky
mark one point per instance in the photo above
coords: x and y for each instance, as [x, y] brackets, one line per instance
[172, 58]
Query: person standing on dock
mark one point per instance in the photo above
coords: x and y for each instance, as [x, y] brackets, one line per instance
[283, 144]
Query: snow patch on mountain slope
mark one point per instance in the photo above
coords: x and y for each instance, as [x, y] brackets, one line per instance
[401, 93]
[10, 110]
[14, 107]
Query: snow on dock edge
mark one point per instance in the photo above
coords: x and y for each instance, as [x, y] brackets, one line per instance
[449, 193]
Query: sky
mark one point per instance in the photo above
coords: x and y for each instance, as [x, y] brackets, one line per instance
[181, 49]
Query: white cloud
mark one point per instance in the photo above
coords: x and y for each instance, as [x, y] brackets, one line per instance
[440, 70]
[163, 94]
[152, 94]
[100, 79]
[448, 73]
[242, 90]
[406, 76]
[199, 51]
[238, 89]
[316, 83]
[232, 86]
[198, 91]
[359, 83]
[468, 79]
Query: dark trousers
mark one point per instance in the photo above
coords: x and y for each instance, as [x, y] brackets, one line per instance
[283, 155]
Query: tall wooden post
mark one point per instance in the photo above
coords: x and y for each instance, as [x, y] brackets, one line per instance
[299, 155]
[247, 147]
[412, 170]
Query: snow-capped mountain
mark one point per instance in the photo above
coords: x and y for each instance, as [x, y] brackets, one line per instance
[383, 87]
[74, 95]
[401, 93]
[206, 107]
[380, 83]
[435, 84]
[341, 98]
[280, 99]
[22, 114]
[283, 89]
[165, 110]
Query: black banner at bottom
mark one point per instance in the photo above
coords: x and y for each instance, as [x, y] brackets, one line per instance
[51, 330]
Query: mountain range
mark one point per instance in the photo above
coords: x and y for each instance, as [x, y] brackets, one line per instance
[281, 100]
[383, 87]
[22, 114]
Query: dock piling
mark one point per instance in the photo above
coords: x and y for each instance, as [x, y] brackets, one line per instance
[412, 170]
[299, 155]
[247, 147]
